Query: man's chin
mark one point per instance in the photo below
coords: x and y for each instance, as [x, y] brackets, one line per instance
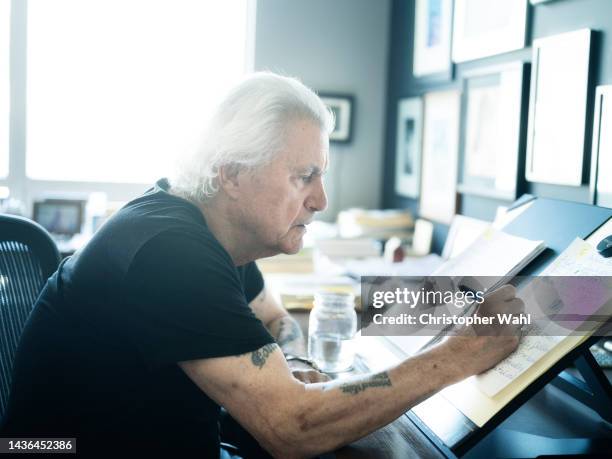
[292, 248]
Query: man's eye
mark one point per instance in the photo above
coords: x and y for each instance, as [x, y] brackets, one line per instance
[306, 178]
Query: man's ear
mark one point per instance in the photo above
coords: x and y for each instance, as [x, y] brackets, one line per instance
[229, 180]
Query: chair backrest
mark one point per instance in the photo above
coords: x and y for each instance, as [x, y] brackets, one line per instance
[28, 256]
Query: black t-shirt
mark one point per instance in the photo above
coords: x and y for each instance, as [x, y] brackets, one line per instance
[97, 359]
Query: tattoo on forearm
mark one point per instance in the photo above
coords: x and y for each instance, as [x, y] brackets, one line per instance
[288, 331]
[377, 380]
[260, 356]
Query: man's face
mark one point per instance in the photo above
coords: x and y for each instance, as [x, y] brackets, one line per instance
[279, 199]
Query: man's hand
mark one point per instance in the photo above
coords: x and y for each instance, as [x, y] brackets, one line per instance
[305, 373]
[481, 347]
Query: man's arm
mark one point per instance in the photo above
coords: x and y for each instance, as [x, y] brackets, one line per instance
[287, 333]
[280, 324]
[292, 419]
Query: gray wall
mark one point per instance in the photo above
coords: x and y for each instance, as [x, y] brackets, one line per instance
[336, 46]
[544, 20]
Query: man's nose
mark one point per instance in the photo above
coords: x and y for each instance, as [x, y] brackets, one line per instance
[317, 200]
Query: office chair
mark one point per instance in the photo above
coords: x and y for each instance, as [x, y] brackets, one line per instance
[28, 256]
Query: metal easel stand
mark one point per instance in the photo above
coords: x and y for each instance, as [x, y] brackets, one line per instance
[595, 392]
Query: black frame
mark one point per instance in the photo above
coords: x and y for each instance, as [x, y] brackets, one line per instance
[350, 99]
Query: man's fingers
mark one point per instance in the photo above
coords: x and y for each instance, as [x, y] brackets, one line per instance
[310, 376]
[491, 308]
[516, 306]
[505, 293]
[316, 376]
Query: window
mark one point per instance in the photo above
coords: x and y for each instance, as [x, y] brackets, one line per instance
[5, 17]
[116, 89]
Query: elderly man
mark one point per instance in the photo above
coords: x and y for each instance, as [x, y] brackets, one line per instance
[139, 338]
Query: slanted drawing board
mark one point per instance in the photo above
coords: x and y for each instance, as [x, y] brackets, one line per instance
[442, 417]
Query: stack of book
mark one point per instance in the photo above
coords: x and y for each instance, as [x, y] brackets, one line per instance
[377, 224]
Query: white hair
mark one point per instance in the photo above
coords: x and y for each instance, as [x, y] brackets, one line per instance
[248, 129]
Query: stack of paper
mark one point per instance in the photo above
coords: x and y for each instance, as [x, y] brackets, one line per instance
[410, 267]
[296, 291]
[301, 262]
[379, 224]
[349, 248]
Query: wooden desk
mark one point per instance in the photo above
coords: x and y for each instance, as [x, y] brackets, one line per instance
[399, 440]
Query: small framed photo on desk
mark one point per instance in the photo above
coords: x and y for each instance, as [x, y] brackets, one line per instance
[60, 216]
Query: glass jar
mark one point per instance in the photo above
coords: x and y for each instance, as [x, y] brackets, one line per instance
[332, 325]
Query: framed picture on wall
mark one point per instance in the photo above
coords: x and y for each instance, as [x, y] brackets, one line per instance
[341, 105]
[440, 147]
[557, 108]
[408, 147]
[491, 131]
[601, 157]
[432, 38]
[484, 28]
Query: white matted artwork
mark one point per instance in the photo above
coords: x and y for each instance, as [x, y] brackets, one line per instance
[432, 37]
[601, 158]
[341, 105]
[485, 27]
[408, 147]
[557, 108]
[440, 155]
[492, 103]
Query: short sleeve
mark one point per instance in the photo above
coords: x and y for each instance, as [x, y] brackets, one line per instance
[183, 299]
[252, 280]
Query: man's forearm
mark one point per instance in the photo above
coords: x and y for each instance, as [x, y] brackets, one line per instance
[288, 335]
[335, 413]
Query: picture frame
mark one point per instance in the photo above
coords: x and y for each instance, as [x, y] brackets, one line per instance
[473, 38]
[559, 85]
[433, 20]
[490, 143]
[601, 155]
[408, 147]
[60, 216]
[438, 196]
[342, 106]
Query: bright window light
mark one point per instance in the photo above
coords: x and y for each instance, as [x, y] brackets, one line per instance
[5, 17]
[117, 89]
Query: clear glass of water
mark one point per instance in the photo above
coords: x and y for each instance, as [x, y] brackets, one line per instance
[332, 325]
